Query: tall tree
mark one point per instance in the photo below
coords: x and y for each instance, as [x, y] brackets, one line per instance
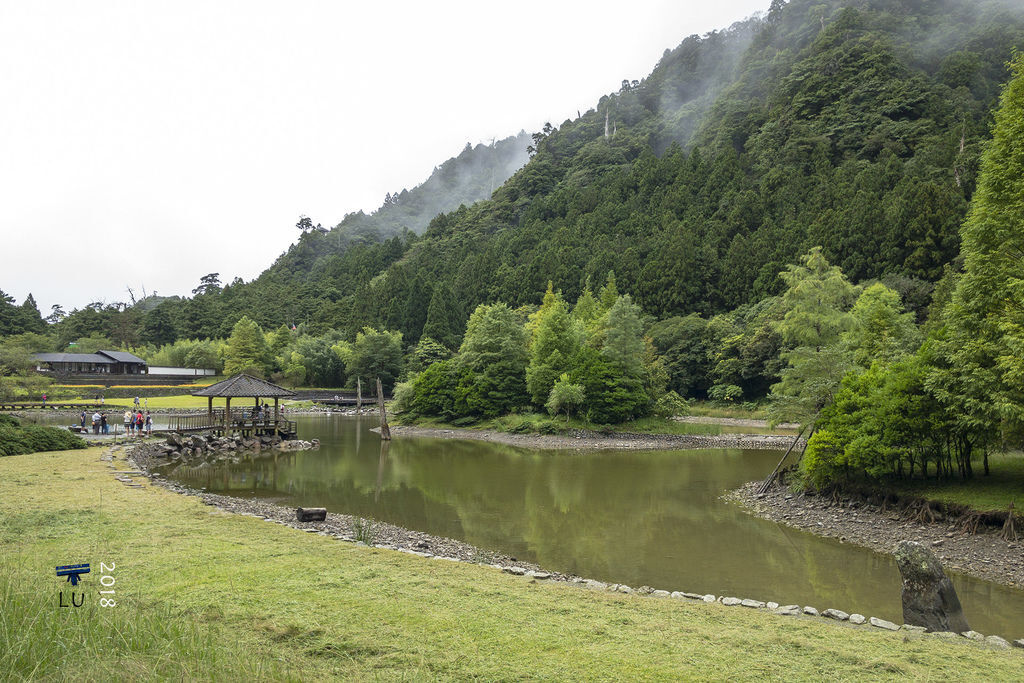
[246, 350]
[817, 303]
[444, 318]
[553, 347]
[984, 376]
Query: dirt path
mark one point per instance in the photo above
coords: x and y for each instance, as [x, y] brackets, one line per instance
[984, 555]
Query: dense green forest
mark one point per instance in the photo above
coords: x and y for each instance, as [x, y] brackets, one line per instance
[825, 146]
[856, 126]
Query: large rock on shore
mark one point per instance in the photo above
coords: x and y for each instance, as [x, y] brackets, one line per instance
[929, 598]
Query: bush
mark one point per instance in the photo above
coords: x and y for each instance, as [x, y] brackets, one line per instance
[670, 405]
[18, 439]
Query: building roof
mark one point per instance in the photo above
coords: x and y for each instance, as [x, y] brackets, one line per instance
[100, 357]
[245, 386]
[72, 358]
[122, 356]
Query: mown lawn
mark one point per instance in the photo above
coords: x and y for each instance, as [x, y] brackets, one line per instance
[207, 595]
[1003, 485]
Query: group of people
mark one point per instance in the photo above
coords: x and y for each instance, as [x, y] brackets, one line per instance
[135, 423]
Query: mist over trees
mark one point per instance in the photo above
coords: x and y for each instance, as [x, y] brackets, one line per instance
[774, 211]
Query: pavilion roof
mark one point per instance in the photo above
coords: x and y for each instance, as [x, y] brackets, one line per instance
[244, 386]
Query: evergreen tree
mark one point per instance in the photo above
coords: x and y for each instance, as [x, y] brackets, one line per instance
[444, 320]
[494, 352]
[554, 344]
[817, 304]
[31, 318]
[880, 331]
[246, 350]
[376, 353]
[983, 380]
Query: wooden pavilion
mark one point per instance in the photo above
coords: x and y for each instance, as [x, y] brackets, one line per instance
[254, 421]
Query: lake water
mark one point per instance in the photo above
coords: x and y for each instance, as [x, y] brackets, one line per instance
[651, 518]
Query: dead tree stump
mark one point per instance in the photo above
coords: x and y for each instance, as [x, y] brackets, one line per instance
[385, 431]
[311, 514]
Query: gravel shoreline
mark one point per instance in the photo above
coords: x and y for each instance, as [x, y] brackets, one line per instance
[343, 527]
[580, 439]
[983, 555]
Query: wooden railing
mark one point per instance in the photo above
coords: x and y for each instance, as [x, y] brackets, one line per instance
[237, 420]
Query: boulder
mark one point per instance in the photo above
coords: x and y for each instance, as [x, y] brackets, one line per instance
[929, 598]
[857, 619]
[837, 614]
[882, 623]
[174, 439]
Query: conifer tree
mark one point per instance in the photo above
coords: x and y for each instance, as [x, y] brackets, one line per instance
[817, 304]
[444, 319]
[555, 342]
[246, 350]
[984, 344]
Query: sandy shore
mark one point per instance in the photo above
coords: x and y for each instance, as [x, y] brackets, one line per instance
[984, 555]
[579, 439]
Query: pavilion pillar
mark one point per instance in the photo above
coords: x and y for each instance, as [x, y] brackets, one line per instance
[227, 415]
[277, 418]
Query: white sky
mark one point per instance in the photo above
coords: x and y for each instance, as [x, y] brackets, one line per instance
[150, 143]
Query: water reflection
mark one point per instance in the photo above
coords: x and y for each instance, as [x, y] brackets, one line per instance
[644, 518]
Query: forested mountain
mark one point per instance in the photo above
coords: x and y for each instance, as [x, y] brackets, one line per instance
[855, 125]
[471, 176]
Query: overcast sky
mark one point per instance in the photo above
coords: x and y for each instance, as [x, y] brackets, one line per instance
[145, 144]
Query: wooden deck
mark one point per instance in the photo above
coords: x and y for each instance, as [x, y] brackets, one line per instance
[238, 422]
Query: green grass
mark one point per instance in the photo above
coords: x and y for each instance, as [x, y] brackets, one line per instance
[712, 409]
[205, 595]
[540, 423]
[1005, 484]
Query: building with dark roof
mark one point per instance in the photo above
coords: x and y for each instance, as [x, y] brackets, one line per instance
[99, 363]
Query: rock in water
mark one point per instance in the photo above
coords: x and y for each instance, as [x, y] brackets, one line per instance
[929, 598]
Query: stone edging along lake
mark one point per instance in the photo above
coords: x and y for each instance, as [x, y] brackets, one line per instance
[583, 439]
[391, 537]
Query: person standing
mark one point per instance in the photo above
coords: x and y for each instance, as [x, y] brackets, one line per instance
[136, 403]
[95, 423]
[127, 422]
[149, 424]
[140, 422]
[104, 427]
[44, 400]
[83, 420]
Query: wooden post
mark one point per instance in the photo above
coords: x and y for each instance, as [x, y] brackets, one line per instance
[209, 409]
[277, 418]
[385, 431]
[359, 393]
[227, 415]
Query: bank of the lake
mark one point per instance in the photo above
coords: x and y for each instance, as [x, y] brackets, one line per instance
[984, 554]
[585, 439]
[203, 594]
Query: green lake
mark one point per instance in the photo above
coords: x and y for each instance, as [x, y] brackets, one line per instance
[652, 518]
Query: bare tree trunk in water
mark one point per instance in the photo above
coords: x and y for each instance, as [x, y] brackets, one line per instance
[385, 431]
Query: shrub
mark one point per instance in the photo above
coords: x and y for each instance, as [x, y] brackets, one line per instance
[19, 439]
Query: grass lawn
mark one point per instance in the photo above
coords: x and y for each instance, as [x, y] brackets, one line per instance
[1004, 484]
[203, 594]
